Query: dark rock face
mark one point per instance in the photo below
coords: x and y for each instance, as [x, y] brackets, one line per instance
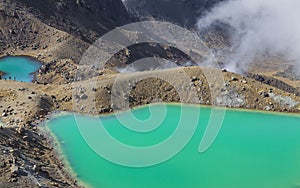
[183, 12]
[275, 83]
[59, 29]
[44, 104]
[85, 18]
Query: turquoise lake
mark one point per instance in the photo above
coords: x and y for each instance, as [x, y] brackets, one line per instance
[19, 67]
[252, 149]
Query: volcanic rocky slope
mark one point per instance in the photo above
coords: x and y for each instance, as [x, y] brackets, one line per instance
[86, 19]
[273, 71]
[183, 12]
[56, 29]
[59, 32]
[27, 159]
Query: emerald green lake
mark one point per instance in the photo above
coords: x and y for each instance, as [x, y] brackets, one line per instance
[253, 149]
[19, 67]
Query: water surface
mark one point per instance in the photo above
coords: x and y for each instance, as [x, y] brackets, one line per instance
[253, 149]
[19, 68]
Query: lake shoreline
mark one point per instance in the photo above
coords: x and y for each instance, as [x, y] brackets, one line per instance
[65, 98]
[54, 142]
[105, 114]
[62, 114]
[57, 114]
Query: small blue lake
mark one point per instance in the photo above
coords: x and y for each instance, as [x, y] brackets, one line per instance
[253, 149]
[19, 68]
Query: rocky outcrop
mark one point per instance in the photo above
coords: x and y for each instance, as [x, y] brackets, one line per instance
[275, 83]
[44, 105]
[58, 72]
[28, 160]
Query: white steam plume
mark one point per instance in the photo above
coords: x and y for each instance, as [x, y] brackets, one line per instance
[261, 27]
